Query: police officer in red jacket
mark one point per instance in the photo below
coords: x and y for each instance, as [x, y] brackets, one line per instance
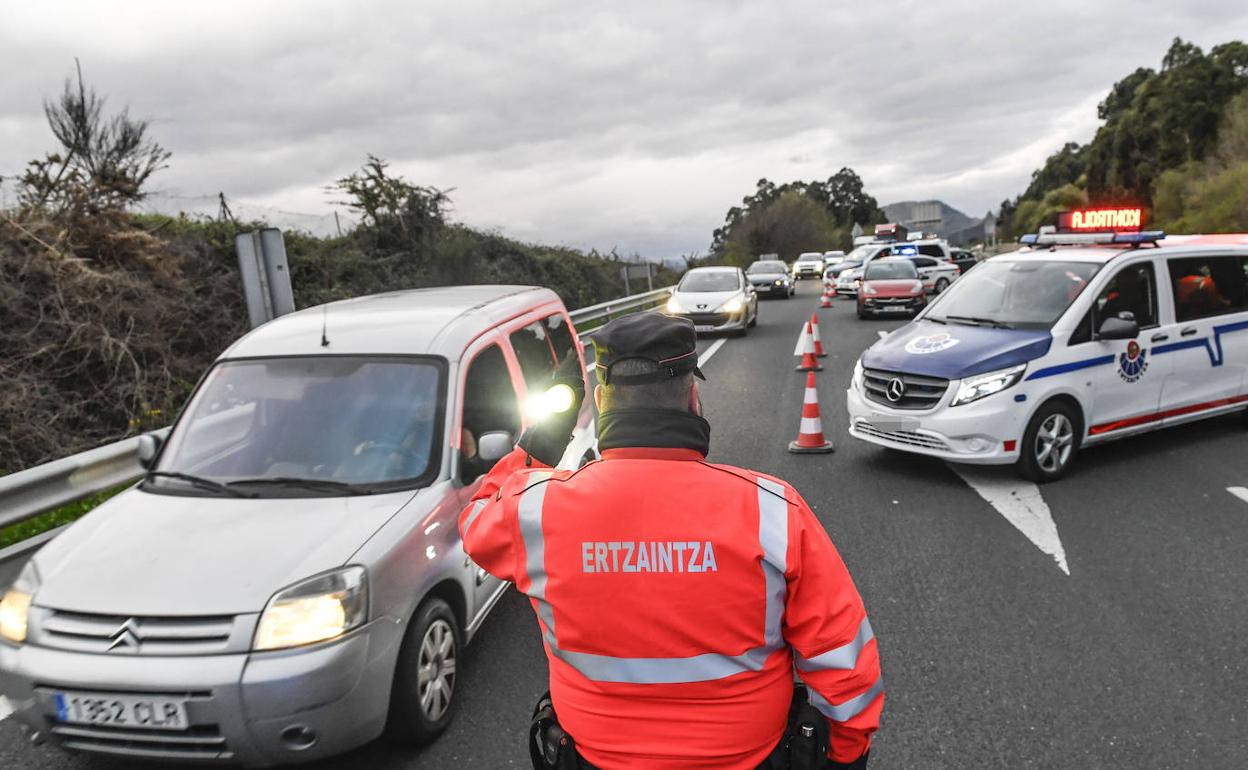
[675, 597]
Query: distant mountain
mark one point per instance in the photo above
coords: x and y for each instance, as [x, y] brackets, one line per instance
[937, 217]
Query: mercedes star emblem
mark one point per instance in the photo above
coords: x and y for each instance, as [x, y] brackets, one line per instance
[896, 390]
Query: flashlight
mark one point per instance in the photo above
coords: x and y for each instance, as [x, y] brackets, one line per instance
[555, 400]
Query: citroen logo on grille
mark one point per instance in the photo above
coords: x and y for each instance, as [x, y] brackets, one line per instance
[125, 637]
[895, 390]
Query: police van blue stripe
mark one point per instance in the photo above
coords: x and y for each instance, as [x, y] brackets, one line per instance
[773, 536]
[1073, 366]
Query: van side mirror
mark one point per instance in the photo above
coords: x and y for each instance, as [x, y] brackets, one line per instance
[494, 446]
[149, 447]
[1118, 329]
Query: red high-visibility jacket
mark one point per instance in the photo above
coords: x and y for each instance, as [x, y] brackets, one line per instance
[674, 598]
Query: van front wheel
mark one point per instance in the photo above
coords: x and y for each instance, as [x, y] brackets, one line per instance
[1050, 443]
[423, 700]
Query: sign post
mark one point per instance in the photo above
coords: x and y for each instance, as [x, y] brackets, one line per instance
[265, 273]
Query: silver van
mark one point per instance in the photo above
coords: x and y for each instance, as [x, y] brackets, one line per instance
[288, 581]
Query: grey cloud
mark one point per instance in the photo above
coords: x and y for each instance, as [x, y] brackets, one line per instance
[634, 126]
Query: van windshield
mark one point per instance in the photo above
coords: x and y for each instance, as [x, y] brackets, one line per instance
[1024, 294]
[317, 425]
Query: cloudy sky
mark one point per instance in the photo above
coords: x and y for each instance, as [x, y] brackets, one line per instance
[628, 125]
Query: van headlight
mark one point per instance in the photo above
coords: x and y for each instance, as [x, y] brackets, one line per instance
[15, 605]
[674, 307]
[732, 306]
[317, 609]
[869, 290]
[975, 388]
[855, 381]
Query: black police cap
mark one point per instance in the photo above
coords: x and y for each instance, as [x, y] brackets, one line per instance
[667, 341]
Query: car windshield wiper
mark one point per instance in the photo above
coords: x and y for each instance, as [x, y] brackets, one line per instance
[327, 485]
[198, 481]
[978, 321]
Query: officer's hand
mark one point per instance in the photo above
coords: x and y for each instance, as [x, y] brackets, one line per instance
[547, 440]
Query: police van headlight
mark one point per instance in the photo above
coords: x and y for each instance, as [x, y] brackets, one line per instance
[975, 388]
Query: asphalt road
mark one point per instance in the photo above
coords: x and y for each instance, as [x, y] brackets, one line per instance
[993, 655]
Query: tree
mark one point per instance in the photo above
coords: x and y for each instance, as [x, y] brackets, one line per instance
[391, 207]
[104, 162]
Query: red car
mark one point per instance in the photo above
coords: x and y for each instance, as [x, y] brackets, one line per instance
[891, 286]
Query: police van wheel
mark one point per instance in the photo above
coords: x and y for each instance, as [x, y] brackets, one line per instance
[423, 698]
[941, 285]
[1050, 443]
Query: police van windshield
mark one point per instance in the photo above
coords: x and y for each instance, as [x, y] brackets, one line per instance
[1024, 294]
[323, 425]
[710, 280]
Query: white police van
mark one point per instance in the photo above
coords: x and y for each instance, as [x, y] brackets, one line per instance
[1075, 339]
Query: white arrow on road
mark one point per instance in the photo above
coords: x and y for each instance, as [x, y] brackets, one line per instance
[1240, 492]
[1021, 505]
[6, 708]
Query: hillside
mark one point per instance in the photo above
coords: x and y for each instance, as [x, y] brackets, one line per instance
[936, 216]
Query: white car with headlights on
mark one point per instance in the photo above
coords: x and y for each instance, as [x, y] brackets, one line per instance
[716, 299]
[288, 582]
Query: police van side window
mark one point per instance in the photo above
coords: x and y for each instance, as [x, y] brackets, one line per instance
[931, 250]
[1208, 286]
[1132, 290]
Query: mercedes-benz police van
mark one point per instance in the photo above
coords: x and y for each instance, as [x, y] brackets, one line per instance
[1075, 339]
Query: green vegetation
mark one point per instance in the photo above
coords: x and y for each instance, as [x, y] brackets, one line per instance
[15, 533]
[108, 318]
[795, 217]
[1173, 140]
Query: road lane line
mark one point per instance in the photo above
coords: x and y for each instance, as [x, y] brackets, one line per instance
[716, 345]
[882, 333]
[6, 708]
[1021, 505]
[1240, 492]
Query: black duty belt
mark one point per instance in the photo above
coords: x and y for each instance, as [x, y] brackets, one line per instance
[804, 745]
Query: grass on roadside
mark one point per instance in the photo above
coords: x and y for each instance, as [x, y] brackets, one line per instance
[15, 533]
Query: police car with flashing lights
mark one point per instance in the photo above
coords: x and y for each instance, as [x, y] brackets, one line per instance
[1077, 338]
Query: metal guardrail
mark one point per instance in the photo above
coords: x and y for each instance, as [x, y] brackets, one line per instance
[591, 317]
[28, 493]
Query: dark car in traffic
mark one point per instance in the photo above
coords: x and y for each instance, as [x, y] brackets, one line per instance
[770, 277]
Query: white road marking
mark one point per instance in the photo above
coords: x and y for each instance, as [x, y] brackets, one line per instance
[1021, 505]
[882, 333]
[716, 345]
[1240, 492]
[6, 708]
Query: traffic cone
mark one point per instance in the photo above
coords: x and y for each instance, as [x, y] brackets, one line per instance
[826, 300]
[807, 344]
[810, 439]
[814, 331]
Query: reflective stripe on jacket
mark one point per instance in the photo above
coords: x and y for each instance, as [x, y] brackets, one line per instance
[675, 597]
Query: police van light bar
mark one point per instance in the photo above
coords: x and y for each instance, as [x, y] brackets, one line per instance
[1144, 236]
[1101, 220]
[1051, 238]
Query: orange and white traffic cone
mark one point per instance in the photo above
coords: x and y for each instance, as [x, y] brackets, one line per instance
[807, 346]
[810, 438]
[814, 332]
[826, 300]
